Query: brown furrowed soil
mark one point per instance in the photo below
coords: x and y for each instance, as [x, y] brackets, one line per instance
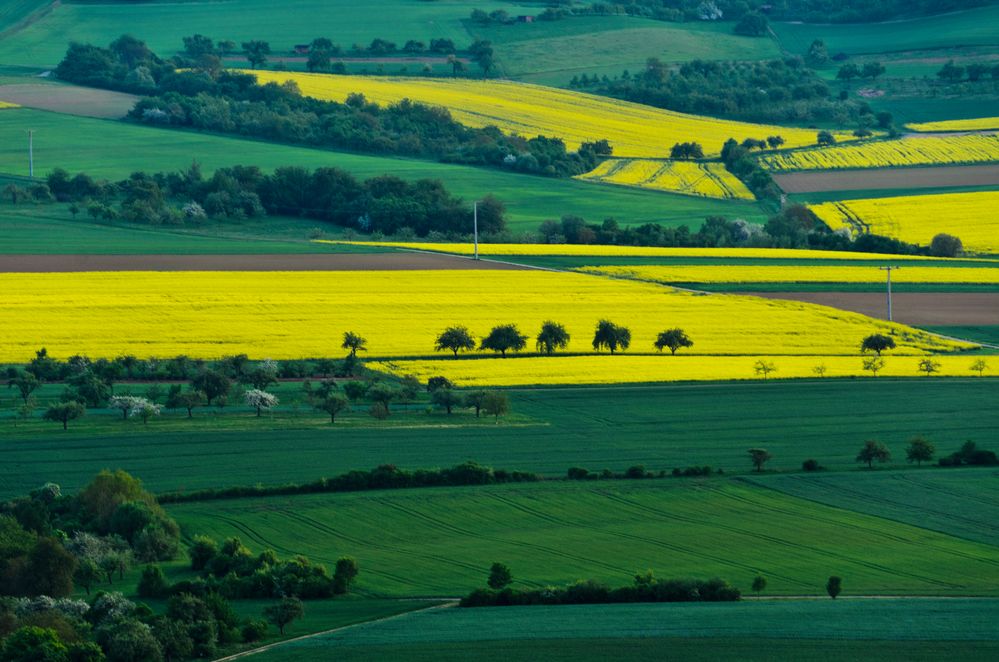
[70, 99]
[888, 178]
[306, 262]
[917, 308]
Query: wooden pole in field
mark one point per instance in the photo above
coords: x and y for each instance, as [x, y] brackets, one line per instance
[475, 227]
[31, 153]
[888, 270]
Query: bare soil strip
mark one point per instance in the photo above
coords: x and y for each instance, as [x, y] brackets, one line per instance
[267, 262]
[917, 308]
[888, 178]
[70, 99]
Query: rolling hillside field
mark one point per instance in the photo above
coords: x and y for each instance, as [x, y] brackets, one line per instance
[558, 533]
[919, 150]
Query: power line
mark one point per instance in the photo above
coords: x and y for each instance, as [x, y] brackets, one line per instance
[888, 269]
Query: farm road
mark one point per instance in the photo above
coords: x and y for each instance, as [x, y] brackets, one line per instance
[916, 308]
[266, 262]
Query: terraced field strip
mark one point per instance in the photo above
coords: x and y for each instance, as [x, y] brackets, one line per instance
[707, 274]
[976, 124]
[909, 151]
[633, 130]
[555, 533]
[689, 178]
[918, 218]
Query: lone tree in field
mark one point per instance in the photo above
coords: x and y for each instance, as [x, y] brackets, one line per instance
[920, 450]
[177, 399]
[284, 612]
[820, 370]
[26, 383]
[64, 412]
[929, 366]
[504, 337]
[874, 365]
[495, 404]
[834, 586]
[446, 399]
[455, 339]
[260, 399]
[873, 450]
[877, 343]
[674, 339]
[333, 403]
[759, 457]
[759, 583]
[476, 400]
[551, 337]
[353, 343]
[212, 383]
[383, 394]
[344, 574]
[256, 52]
[979, 366]
[764, 368]
[611, 336]
[499, 576]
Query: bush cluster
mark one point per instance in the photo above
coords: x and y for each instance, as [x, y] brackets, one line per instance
[645, 589]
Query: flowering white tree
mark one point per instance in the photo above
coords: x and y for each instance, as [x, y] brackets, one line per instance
[255, 397]
[146, 410]
[129, 404]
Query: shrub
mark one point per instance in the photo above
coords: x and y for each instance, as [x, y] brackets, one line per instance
[153, 583]
[811, 465]
[254, 631]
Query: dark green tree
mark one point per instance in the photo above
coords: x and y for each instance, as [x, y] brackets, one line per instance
[873, 450]
[877, 343]
[496, 404]
[611, 336]
[446, 399]
[284, 612]
[499, 576]
[25, 383]
[674, 339]
[212, 383]
[344, 574]
[256, 52]
[455, 339]
[834, 586]
[353, 343]
[503, 338]
[333, 403]
[919, 450]
[64, 412]
[759, 457]
[551, 337]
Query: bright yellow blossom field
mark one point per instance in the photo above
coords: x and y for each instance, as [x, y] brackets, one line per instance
[7, 104]
[603, 250]
[974, 217]
[304, 314]
[634, 130]
[630, 368]
[977, 124]
[793, 274]
[710, 180]
[921, 150]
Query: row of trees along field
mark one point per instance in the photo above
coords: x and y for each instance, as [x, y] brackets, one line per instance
[212, 99]
[55, 543]
[918, 450]
[553, 336]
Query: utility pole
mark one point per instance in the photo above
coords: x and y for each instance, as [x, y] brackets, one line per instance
[888, 270]
[31, 153]
[475, 227]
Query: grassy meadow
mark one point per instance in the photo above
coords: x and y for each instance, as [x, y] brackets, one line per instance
[556, 533]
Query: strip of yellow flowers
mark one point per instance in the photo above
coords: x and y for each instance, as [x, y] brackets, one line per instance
[597, 250]
[633, 130]
[912, 151]
[624, 368]
[286, 315]
[7, 104]
[794, 274]
[918, 218]
[977, 124]
[707, 179]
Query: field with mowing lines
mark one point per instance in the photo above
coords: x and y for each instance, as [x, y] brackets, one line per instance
[976, 124]
[633, 130]
[550, 430]
[918, 218]
[707, 179]
[917, 150]
[211, 314]
[556, 533]
[706, 274]
[71, 99]
[958, 502]
[802, 630]
[114, 150]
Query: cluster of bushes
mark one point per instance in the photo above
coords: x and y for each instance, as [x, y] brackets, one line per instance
[637, 472]
[975, 71]
[773, 91]
[384, 477]
[646, 588]
[55, 542]
[215, 100]
[385, 204]
[970, 455]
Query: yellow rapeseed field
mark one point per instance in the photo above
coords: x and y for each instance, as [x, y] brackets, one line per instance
[912, 151]
[917, 218]
[977, 124]
[634, 130]
[624, 368]
[7, 104]
[795, 273]
[603, 250]
[304, 314]
[687, 177]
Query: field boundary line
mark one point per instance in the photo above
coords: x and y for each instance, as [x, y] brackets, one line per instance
[261, 649]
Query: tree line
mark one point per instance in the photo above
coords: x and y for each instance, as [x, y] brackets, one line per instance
[212, 99]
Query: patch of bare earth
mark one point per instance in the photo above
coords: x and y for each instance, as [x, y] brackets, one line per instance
[268, 262]
[888, 178]
[70, 99]
[916, 308]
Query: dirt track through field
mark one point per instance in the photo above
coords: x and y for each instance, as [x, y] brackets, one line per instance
[918, 308]
[888, 178]
[269, 262]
